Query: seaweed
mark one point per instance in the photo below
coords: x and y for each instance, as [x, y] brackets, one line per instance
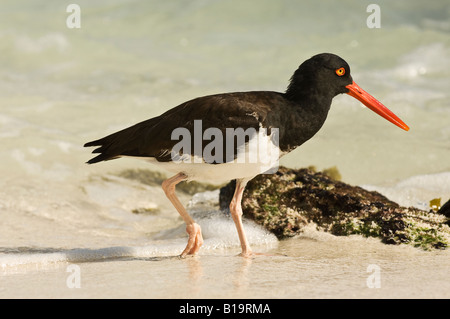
[287, 201]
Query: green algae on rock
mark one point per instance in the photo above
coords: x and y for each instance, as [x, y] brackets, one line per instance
[287, 201]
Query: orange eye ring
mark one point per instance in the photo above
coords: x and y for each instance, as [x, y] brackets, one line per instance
[340, 71]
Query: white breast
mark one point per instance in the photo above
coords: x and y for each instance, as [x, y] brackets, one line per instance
[260, 155]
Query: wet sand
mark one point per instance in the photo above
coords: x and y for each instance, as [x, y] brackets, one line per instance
[321, 267]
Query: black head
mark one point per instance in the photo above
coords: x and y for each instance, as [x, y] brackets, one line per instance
[319, 79]
[325, 74]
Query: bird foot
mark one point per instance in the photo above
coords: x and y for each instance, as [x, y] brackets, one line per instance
[195, 240]
[246, 254]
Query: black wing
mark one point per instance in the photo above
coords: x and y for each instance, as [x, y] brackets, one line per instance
[152, 138]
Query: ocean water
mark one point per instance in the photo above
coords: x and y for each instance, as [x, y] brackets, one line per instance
[129, 61]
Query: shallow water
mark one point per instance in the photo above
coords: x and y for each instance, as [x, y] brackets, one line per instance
[308, 267]
[61, 87]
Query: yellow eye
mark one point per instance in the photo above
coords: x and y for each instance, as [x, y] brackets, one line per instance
[340, 71]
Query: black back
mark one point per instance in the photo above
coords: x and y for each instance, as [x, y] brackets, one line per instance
[298, 114]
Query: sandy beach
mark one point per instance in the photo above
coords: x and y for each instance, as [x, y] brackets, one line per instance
[321, 267]
[71, 230]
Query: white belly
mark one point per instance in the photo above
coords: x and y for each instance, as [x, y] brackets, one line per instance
[216, 173]
[260, 155]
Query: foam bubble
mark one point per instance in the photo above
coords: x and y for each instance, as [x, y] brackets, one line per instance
[49, 41]
[218, 229]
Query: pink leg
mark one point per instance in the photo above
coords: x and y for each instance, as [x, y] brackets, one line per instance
[193, 229]
[236, 213]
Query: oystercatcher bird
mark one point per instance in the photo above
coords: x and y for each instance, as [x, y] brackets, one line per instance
[283, 120]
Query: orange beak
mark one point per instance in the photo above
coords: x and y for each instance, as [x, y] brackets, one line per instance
[373, 104]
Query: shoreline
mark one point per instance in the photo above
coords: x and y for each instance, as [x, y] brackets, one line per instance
[305, 267]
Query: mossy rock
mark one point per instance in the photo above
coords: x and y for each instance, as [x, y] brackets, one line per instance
[155, 178]
[287, 201]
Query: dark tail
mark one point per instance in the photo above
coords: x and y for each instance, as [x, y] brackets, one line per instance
[103, 150]
[111, 146]
[127, 142]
